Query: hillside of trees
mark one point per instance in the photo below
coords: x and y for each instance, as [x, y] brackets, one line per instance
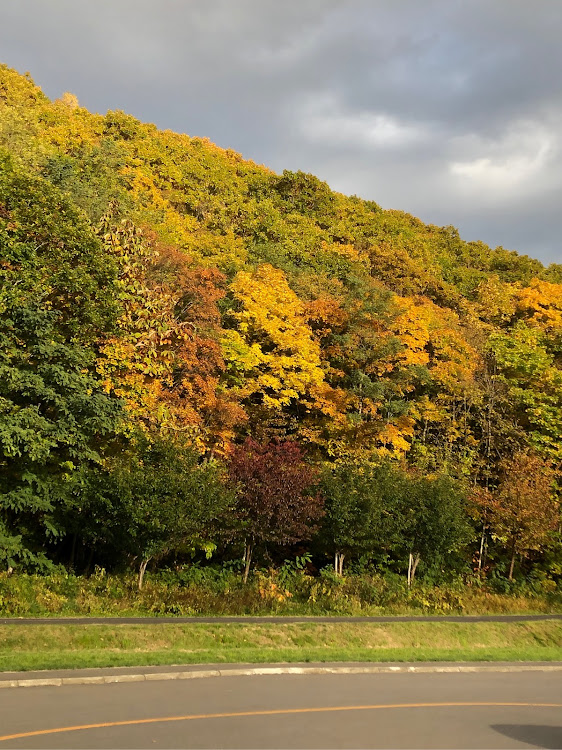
[202, 359]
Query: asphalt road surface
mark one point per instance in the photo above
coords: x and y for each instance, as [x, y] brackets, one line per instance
[471, 710]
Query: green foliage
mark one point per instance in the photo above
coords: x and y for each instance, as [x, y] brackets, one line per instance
[158, 499]
[354, 521]
[54, 418]
[92, 175]
[54, 414]
[51, 258]
[376, 510]
[533, 377]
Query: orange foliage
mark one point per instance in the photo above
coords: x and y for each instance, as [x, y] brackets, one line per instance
[165, 363]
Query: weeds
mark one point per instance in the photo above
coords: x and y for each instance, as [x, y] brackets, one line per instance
[291, 590]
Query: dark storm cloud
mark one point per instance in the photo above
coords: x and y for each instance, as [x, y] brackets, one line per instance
[449, 109]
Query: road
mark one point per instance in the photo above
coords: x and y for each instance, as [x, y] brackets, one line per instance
[453, 710]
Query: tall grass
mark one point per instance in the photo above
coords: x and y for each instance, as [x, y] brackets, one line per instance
[196, 590]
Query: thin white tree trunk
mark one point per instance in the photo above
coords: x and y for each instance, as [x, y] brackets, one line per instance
[416, 560]
[142, 570]
[409, 570]
[339, 557]
[413, 561]
[482, 537]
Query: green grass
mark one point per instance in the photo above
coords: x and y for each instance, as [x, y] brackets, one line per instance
[67, 646]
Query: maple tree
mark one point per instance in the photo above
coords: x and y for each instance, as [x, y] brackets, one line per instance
[275, 499]
[524, 511]
[165, 361]
[271, 349]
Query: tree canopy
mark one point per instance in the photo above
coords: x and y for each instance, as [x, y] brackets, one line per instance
[155, 284]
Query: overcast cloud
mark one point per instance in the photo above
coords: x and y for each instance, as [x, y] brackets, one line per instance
[449, 109]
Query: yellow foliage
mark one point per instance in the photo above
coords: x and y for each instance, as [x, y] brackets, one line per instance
[541, 302]
[427, 410]
[69, 100]
[393, 436]
[68, 127]
[270, 590]
[413, 329]
[137, 366]
[347, 250]
[276, 349]
[432, 337]
[496, 299]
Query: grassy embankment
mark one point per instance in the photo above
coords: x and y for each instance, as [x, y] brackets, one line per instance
[52, 646]
[67, 646]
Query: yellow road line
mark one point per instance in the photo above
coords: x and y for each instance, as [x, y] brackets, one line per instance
[270, 712]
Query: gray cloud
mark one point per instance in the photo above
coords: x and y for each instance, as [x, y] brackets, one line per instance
[449, 109]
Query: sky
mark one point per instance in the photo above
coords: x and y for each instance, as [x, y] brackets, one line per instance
[448, 109]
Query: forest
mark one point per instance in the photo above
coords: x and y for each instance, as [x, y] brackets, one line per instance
[207, 365]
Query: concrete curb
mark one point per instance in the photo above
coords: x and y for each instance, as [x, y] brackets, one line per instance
[261, 671]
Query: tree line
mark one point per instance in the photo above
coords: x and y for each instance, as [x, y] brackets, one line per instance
[199, 357]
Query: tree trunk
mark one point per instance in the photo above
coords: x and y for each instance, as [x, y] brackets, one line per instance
[409, 570]
[415, 565]
[413, 561]
[248, 559]
[339, 557]
[142, 570]
[512, 563]
[483, 536]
